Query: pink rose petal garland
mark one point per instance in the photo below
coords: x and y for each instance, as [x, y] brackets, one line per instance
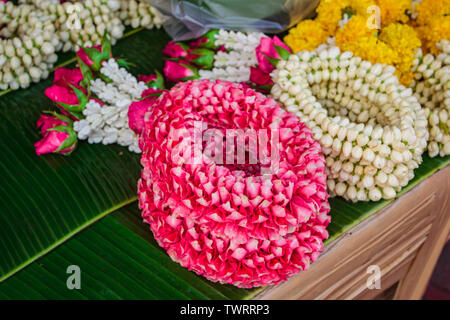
[230, 222]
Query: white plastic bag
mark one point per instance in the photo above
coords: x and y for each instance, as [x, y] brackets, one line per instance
[188, 19]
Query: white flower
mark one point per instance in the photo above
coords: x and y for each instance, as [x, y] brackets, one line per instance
[108, 124]
[33, 31]
[234, 64]
[372, 135]
[431, 87]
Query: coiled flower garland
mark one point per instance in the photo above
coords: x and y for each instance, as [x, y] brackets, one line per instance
[431, 87]
[379, 133]
[35, 30]
[228, 222]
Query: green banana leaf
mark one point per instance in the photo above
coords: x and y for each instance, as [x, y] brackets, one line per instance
[48, 200]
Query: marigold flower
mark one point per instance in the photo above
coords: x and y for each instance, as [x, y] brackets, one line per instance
[393, 11]
[306, 35]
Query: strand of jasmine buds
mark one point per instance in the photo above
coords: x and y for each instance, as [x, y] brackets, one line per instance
[241, 74]
[122, 79]
[234, 64]
[30, 55]
[35, 30]
[235, 59]
[238, 41]
[374, 146]
[84, 23]
[109, 123]
[139, 14]
[431, 87]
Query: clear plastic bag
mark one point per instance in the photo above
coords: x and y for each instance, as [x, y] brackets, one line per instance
[188, 19]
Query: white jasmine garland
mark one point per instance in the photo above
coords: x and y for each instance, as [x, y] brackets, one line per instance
[29, 56]
[234, 64]
[35, 30]
[238, 41]
[372, 130]
[108, 124]
[139, 14]
[235, 59]
[431, 87]
[233, 74]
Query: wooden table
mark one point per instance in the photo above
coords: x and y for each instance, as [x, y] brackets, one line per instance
[403, 240]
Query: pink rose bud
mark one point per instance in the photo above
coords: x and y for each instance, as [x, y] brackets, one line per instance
[137, 111]
[204, 58]
[262, 80]
[175, 50]
[69, 98]
[81, 53]
[59, 136]
[146, 78]
[208, 40]
[94, 56]
[176, 71]
[63, 76]
[269, 52]
[222, 48]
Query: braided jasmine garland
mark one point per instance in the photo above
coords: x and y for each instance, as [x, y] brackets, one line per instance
[431, 87]
[379, 133]
[234, 64]
[139, 14]
[36, 29]
[108, 124]
[30, 55]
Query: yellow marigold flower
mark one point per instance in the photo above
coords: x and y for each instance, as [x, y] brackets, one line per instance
[404, 41]
[394, 11]
[370, 48]
[434, 31]
[428, 10]
[329, 12]
[394, 44]
[355, 29]
[306, 35]
[360, 6]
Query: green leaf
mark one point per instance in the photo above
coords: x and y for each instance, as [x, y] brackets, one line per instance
[158, 83]
[284, 54]
[87, 74]
[118, 258]
[46, 200]
[202, 57]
